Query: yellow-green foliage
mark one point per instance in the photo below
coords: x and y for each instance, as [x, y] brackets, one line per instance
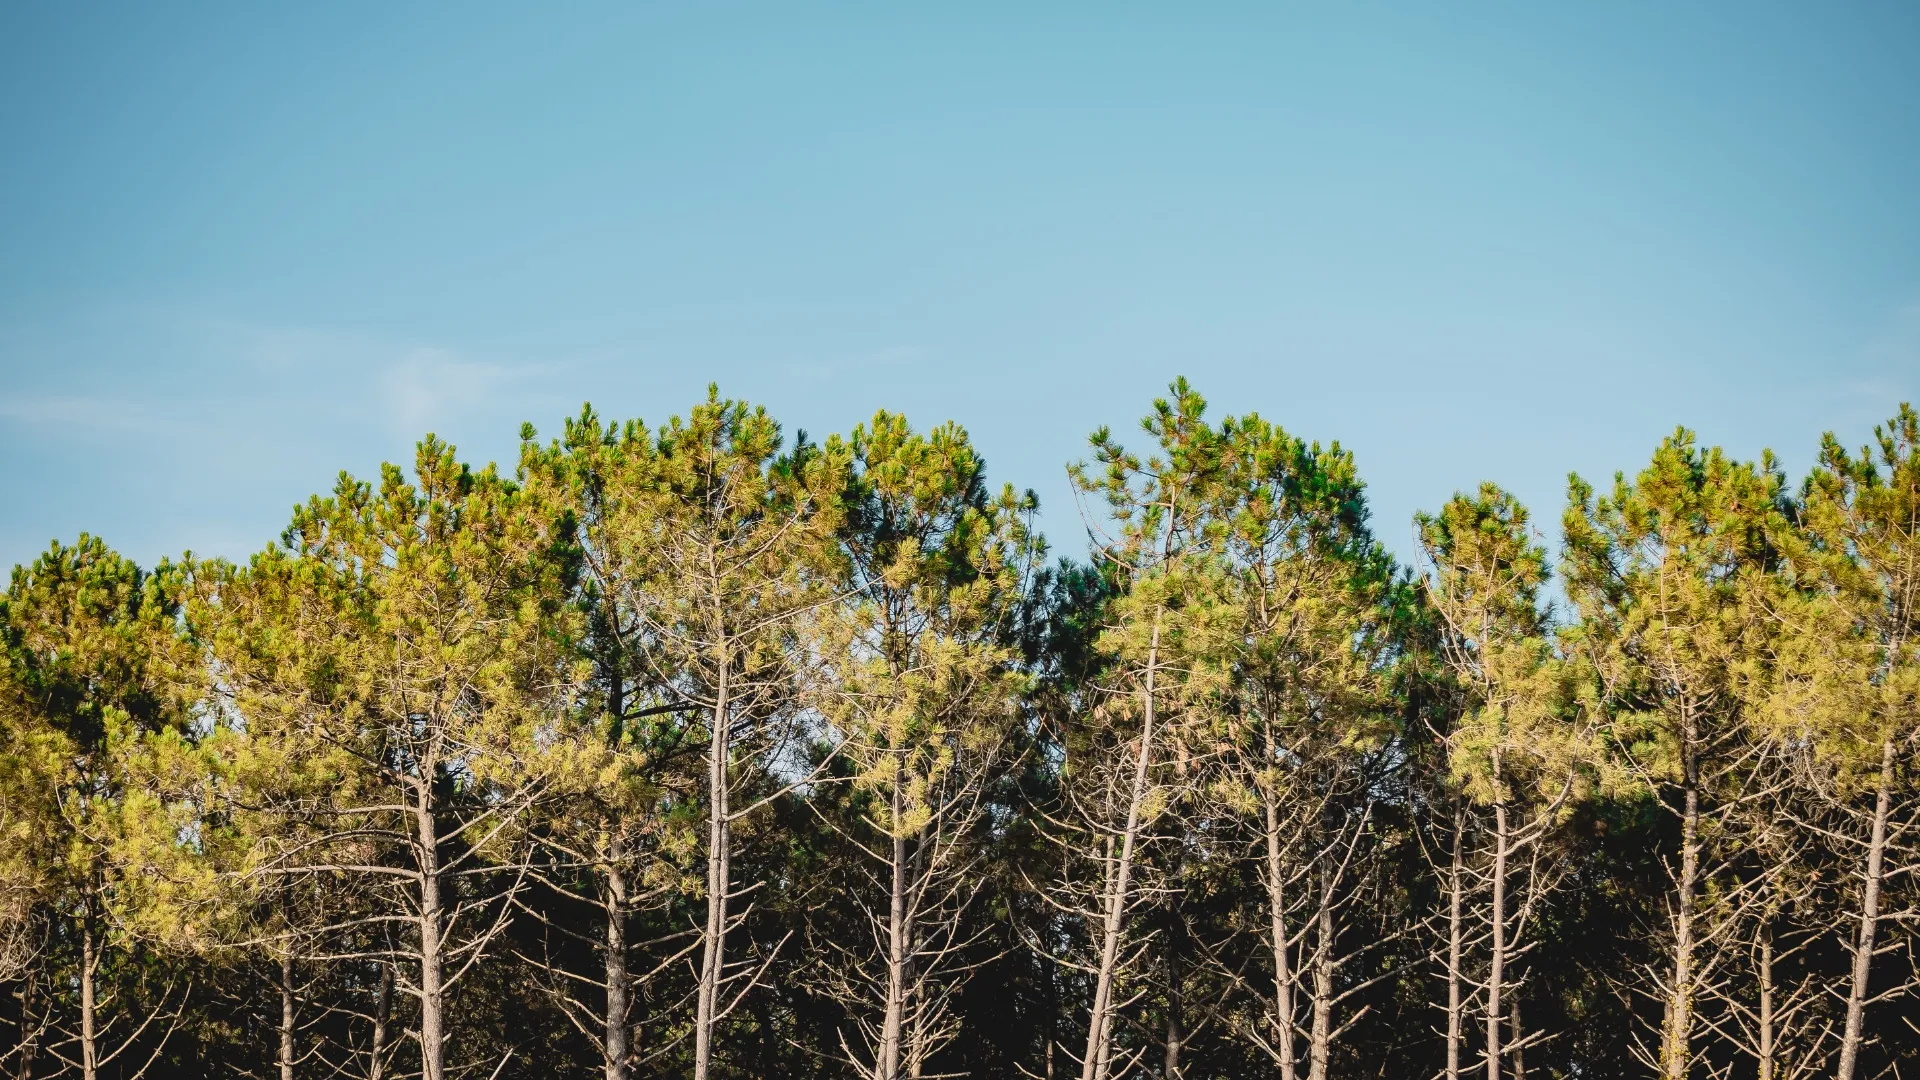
[1516, 737]
[1851, 671]
[411, 632]
[1163, 547]
[1669, 575]
[918, 680]
[98, 767]
[1304, 609]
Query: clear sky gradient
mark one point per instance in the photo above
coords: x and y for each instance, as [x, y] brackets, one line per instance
[243, 247]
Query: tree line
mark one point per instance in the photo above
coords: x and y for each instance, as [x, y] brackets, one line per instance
[690, 750]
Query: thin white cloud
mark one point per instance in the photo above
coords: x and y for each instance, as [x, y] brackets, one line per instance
[430, 387]
[247, 368]
[283, 348]
[98, 413]
[418, 386]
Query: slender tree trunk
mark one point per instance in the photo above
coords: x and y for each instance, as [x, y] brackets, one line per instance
[1109, 873]
[1455, 947]
[1053, 1036]
[1869, 919]
[918, 1037]
[1765, 1018]
[29, 1034]
[1320, 1051]
[1176, 1033]
[89, 962]
[1677, 1049]
[897, 939]
[432, 1030]
[614, 1037]
[288, 1016]
[1053, 1011]
[614, 1034]
[1283, 977]
[1514, 1036]
[1174, 1037]
[713, 956]
[1497, 924]
[1096, 1063]
[382, 1009]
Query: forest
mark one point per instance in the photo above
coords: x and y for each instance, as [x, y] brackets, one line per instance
[694, 749]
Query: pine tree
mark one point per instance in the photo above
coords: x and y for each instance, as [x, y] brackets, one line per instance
[919, 692]
[1668, 575]
[1127, 762]
[619, 845]
[1513, 751]
[396, 677]
[96, 699]
[1302, 726]
[1863, 512]
[715, 546]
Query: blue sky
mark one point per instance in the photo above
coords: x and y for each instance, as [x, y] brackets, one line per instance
[243, 247]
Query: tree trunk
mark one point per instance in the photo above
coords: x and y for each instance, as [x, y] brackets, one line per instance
[1095, 1065]
[614, 1037]
[1052, 1019]
[287, 1017]
[919, 1035]
[1455, 946]
[432, 1031]
[888, 1067]
[1320, 1051]
[1869, 920]
[713, 956]
[1283, 977]
[89, 961]
[1514, 1036]
[29, 1035]
[1176, 1032]
[1765, 1018]
[1105, 1067]
[1497, 924]
[1676, 1050]
[1109, 872]
[382, 1008]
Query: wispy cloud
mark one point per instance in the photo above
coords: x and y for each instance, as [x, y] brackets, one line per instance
[278, 347]
[429, 387]
[416, 385]
[238, 378]
[96, 413]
